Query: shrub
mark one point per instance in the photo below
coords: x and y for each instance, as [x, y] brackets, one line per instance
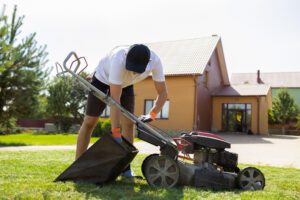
[103, 126]
[298, 121]
[97, 130]
[8, 126]
[106, 126]
[18, 130]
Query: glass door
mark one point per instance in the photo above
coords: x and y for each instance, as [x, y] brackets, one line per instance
[236, 117]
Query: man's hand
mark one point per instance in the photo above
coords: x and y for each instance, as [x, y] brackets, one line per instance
[148, 118]
[90, 77]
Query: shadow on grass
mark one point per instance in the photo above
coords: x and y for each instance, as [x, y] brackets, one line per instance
[128, 189]
[11, 144]
[141, 190]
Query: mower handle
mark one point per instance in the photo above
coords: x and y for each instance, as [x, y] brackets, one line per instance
[72, 53]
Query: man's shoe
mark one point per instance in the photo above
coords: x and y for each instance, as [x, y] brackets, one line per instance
[130, 174]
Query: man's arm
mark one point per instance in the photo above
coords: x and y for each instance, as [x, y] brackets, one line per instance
[162, 95]
[115, 93]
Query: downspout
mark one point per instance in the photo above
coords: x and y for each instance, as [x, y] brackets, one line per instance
[258, 120]
[195, 127]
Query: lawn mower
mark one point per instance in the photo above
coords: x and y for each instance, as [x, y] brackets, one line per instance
[196, 159]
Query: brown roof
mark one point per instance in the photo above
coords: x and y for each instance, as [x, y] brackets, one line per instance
[275, 79]
[191, 56]
[243, 90]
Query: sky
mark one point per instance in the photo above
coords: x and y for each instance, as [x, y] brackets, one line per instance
[256, 34]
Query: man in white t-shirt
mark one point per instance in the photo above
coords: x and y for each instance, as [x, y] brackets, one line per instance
[115, 75]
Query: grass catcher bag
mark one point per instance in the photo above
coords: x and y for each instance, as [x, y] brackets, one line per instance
[101, 163]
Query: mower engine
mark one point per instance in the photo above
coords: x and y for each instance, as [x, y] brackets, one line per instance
[210, 148]
[224, 159]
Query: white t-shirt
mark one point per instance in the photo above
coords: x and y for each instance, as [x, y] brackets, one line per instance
[111, 69]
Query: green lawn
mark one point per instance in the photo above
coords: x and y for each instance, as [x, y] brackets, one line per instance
[25, 139]
[30, 175]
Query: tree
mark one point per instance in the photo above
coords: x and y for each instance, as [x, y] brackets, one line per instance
[22, 73]
[78, 99]
[66, 101]
[283, 108]
[298, 121]
[40, 111]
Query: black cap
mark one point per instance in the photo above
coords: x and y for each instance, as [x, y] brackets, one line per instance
[137, 58]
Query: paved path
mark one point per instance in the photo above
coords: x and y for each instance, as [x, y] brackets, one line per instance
[275, 150]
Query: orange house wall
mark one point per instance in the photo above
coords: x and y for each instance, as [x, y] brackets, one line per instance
[181, 94]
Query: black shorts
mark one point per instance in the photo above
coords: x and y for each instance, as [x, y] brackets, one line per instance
[95, 106]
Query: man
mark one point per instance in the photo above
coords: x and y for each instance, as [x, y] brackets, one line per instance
[115, 75]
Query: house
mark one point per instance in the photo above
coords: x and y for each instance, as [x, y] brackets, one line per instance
[193, 69]
[277, 80]
[200, 95]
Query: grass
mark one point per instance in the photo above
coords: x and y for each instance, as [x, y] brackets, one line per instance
[30, 175]
[25, 139]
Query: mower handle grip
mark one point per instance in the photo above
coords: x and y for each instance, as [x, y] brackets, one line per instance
[72, 53]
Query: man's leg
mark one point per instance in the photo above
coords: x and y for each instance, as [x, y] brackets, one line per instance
[127, 129]
[93, 110]
[127, 101]
[85, 133]
[127, 132]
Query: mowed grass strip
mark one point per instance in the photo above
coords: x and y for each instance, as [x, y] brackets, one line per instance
[25, 139]
[30, 175]
[28, 139]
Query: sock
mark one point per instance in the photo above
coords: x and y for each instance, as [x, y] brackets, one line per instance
[116, 133]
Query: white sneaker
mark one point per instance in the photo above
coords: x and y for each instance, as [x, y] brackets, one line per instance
[130, 174]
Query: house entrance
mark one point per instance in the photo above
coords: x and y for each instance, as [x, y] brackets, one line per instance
[236, 117]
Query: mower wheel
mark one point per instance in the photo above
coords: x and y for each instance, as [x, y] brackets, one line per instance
[161, 171]
[251, 178]
[145, 162]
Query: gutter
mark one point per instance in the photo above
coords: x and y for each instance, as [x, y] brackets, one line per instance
[258, 120]
[195, 118]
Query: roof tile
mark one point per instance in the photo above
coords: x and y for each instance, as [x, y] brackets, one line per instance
[275, 79]
[183, 57]
[244, 90]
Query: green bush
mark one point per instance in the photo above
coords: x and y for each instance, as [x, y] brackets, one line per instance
[106, 126]
[8, 126]
[63, 124]
[97, 130]
[103, 126]
[298, 121]
[18, 130]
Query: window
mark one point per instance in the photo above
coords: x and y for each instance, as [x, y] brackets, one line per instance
[163, 114]
[106, 112]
